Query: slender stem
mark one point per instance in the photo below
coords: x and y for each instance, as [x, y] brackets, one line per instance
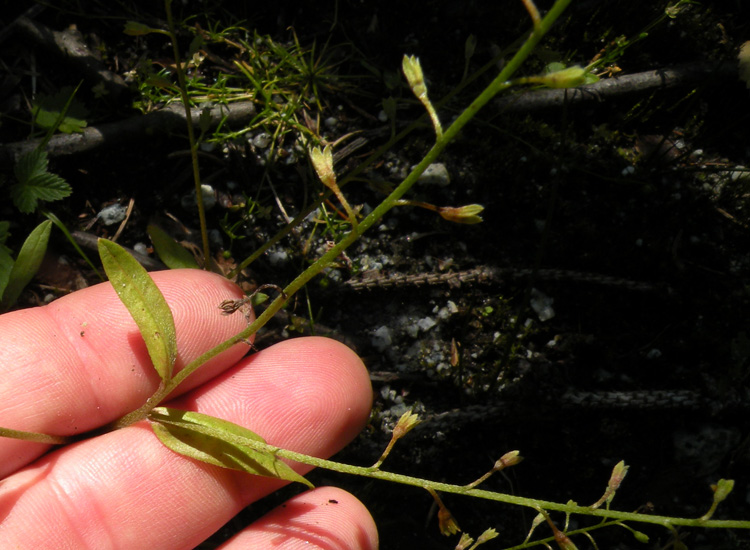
[375, 473]
[191, 135]
[492, 495]
[35, 437]
[498, 84]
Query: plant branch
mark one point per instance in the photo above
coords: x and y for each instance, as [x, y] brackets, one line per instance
[375, 473]
[142, 127]
[191, 136]
[497, 85]
[35, 437]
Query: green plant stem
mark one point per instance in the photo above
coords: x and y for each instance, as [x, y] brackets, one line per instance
[191, 136]
[35, 437]
[492, 495]
[61, 226]
[497, 85]
[375, 473]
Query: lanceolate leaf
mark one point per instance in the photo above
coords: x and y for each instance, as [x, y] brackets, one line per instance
[172, 253]
[6, 265]
[218, 442]
[27, 263]
[145, 303]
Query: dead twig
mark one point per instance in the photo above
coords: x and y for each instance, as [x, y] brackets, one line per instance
[170, 118]
[608, 88]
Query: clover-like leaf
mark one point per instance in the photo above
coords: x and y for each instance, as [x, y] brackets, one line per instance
[219, 442]
[146, 305]
[27, 263]
[172, 253]
[35, 183]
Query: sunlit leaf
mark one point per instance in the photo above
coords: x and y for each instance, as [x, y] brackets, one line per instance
[172, 253]
[48, 111]
[27, 263]
[145, 303]
[218, 442]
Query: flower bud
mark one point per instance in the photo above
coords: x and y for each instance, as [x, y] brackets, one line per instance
[405, 424]
[721, 491]
[468, 214]
[414, 76]
[510, 458]
[489, 534]
[566, 78]
[323, 163]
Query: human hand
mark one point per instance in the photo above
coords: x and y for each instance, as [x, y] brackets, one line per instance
[79, 363]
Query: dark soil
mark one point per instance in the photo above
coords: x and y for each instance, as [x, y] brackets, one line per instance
[647, 187]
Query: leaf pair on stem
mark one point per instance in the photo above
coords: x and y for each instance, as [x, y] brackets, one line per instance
[192, 434]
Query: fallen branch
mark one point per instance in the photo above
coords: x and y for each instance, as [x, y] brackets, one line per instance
[670, 77]
[170, 118]
[173, 117]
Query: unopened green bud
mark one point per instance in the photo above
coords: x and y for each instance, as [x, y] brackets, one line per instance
[468, 214]
[323, 163]
[721, 491]
[566, 78]
[489, 534]
[465, 542]
[508, 459]
[414, 76]
[413, 73]
[564, 542]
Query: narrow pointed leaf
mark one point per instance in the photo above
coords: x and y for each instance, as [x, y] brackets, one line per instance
[172, 253]
[6, 265]
[218, 442]
[145, 303]
[27, 263]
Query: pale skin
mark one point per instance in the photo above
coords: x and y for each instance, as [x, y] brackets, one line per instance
[79, 363]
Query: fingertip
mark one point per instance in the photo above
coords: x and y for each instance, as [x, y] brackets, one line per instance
[325, 518]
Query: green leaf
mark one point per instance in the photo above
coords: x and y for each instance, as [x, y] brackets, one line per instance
[27, 263]
[4, 233]
[6, 265]
[48, 109]
[145, 303]
[61, 226]
[35, 183]
[134, 28]
[218, 442]
[172, 253]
